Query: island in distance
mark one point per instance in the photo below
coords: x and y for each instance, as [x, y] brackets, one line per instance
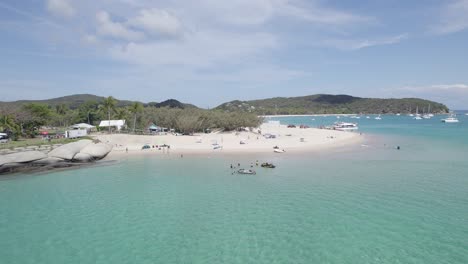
[311, 104]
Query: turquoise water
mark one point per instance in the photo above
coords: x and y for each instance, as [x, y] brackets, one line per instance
[370, 204]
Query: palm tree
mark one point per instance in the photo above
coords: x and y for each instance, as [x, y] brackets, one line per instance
[61, 110]
[135, 109]
[109, 104]
[121, 113]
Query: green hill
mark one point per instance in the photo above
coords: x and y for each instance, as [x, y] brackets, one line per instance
[171, 103]
[331, 104]
[74, 101]
[312, 104]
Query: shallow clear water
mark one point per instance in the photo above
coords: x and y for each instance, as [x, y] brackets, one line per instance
[372, 204]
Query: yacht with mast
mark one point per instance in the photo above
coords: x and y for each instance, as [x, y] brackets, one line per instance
[410, 112]
[418, 116]
[428, 115]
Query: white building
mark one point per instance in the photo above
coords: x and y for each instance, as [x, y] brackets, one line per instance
[76, 133]
[118, 124]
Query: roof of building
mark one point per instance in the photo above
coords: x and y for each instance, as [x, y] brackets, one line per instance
[116, 123]
[83, 125]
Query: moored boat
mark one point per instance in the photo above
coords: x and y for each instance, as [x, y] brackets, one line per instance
[451, 119]
[246, 171]
[343, 126]
[268, 165]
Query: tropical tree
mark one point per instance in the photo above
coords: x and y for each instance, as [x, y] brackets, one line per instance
[32, 116]
[61, 111]
[88, 112]
[109, 104]
[121, 113]
[135, 109]
[9, 126]
[188, 122]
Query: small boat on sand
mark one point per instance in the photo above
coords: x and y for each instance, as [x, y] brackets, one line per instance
[246, 171]
[216, 146]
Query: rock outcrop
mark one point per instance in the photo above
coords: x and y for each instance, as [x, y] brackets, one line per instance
[97, 151]
[68, 151]
[77, 152]
[22, 157]
[83, 157]
[48, 161]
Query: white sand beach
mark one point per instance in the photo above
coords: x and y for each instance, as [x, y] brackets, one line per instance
[292, 140]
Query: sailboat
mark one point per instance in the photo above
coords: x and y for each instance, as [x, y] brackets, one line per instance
[378, 118]
[410, 113]
[428, 115]
[418, 116]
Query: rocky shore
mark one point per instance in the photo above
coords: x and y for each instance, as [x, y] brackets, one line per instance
[72, 154]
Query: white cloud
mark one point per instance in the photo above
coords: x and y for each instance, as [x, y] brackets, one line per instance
[108, 28]
[258, 12]
[320, 15]
[353, 44]
[240, 12]
[199, 49]
[157, 21]
[61, 8]
[89, 39]
[453, 18]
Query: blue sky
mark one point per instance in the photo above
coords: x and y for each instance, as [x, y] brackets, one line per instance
[208, 51]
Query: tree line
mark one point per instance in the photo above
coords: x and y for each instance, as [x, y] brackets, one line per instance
[26, 120]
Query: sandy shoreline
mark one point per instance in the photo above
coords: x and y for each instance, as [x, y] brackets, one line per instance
[292, 140]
